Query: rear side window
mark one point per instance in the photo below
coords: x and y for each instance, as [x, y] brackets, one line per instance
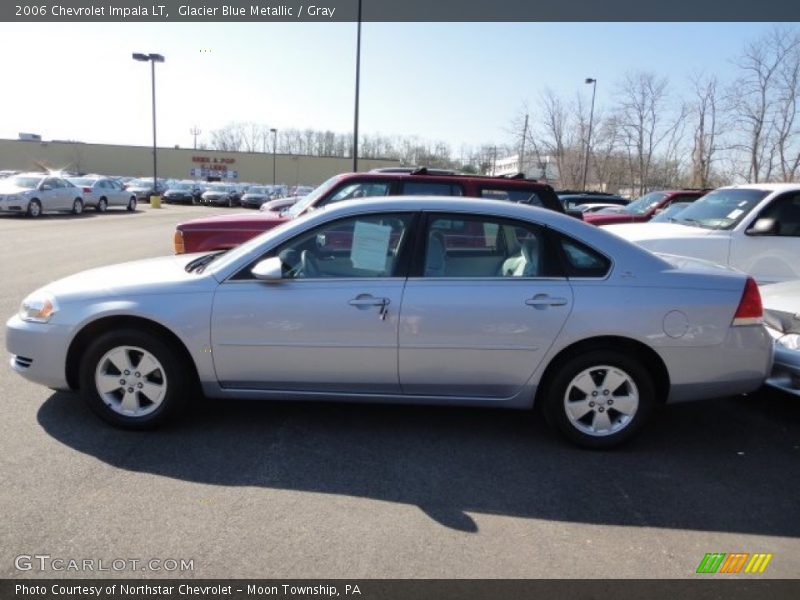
[512, 195]
[582, 261]
[430, 188]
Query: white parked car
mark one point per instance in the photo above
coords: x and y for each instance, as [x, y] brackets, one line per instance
[754, 228]
[103, 192]
[31, 194]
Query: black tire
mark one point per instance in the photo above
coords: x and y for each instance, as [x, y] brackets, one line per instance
[102, 205]
[173, 375]
[131, 204]
[592, 364]
[34, 210]
[77, 206]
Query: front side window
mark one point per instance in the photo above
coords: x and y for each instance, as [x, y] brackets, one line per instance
[512, 195]
[785, 210]
[363, 189]
[356, 247]
[472, 246]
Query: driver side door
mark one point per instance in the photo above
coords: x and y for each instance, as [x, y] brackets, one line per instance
[330, 324]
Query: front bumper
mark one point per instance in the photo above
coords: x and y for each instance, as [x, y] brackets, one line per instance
[39, 351]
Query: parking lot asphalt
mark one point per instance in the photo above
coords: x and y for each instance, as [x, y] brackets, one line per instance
[351, 491]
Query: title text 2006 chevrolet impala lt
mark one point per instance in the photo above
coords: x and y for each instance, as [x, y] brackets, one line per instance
[421, 300]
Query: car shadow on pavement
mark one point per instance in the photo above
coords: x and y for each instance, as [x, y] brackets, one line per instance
[725, 465]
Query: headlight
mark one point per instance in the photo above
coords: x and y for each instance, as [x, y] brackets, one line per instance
[38, 308]
[790, 341]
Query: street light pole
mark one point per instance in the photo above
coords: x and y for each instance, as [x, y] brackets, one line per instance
[589, 136]
[153, 59]
[274, 133]
[358, 81]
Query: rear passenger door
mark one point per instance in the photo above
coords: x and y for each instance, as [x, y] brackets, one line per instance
[481, 308]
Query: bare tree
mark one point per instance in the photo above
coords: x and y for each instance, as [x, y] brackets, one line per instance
[646, 123]
[763, 103]
[706, 123]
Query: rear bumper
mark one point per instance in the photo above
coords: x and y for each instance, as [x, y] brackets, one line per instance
[739, 365]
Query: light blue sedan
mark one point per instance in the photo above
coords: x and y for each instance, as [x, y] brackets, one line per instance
[418, 300]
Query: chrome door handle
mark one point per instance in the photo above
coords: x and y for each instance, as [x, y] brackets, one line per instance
[545, 300]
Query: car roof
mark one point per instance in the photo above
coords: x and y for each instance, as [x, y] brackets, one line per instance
[453, 177]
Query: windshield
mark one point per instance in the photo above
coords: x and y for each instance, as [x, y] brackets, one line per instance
[24, 182]
[182, 186]
[257, 190]
[82, 181]
[218, 187]
[644, 203]
[298, 207]
[721, 209]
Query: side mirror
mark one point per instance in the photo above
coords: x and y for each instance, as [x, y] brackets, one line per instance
[46, 187]
[269, 269]
[575, 213]
[321, 240]
[763, 226]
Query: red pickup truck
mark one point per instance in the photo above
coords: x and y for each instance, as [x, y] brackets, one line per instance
[226, 231]
[643, 208]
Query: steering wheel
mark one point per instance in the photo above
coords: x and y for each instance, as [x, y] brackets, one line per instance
[308, 265]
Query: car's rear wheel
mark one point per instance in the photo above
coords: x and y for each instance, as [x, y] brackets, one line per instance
[134, 380]
[131, 204]
[102, 205]
[34, 209]
[77, 206]
[600, 398]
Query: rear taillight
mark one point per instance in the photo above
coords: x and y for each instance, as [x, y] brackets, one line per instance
[750, 310]
[87, 190]
[177, 242]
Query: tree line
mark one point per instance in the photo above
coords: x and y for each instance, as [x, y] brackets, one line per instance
[649, 136]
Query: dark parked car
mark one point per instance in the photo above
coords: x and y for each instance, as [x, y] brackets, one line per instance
[183, 192]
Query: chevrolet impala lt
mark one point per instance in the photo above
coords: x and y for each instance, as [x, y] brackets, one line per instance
[430, 300]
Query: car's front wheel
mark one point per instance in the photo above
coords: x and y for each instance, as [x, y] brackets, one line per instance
[600, 398]
[34, 209]
[132, 204]
[77, 206]
[134, 380]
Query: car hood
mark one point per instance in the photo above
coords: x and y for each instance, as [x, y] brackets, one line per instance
[644, 232]
[782, 305]
[611, 218]
[236, 221]
[151, 276]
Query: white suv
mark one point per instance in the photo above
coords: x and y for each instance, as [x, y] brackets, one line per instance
[754, 228]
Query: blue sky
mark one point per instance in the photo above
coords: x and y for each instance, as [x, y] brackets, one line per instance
[461, 83]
